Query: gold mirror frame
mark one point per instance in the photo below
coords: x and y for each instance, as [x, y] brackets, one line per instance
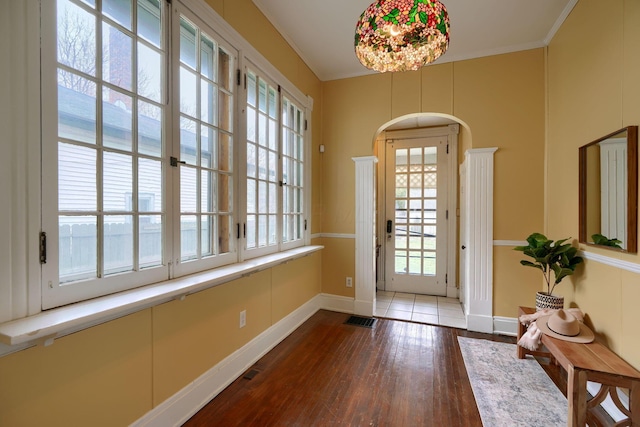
[593, 187]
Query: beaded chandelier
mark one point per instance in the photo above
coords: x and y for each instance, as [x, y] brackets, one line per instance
[401, 35]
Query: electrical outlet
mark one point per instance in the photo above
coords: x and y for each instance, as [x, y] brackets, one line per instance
[243, 318]
[349, 282]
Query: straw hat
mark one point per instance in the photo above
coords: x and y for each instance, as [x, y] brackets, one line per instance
[565, 326]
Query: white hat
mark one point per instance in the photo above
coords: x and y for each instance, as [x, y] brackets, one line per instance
[565, 326]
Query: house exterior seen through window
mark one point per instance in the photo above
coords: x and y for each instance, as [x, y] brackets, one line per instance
[140, 171]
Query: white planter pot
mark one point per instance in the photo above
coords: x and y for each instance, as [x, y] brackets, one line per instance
[543, 300]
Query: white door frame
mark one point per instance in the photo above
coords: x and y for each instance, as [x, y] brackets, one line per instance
[451, 132]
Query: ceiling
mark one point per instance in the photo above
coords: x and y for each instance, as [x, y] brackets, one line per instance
[322, 31]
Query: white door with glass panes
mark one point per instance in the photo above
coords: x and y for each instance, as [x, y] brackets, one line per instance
[416, 211]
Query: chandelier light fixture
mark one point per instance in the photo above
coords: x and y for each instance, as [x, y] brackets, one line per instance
[401, 35]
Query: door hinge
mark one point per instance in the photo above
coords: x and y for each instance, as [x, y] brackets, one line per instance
[305, 124]
[239, 76]
[43, 247]
[447, 148]
[279, 88]
[447, 216]
[305, 225]
[446, 278]
[238, 230]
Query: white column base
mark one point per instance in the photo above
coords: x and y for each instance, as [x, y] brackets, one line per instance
[364, 308]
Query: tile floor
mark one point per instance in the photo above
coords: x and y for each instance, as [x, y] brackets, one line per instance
[420, 308]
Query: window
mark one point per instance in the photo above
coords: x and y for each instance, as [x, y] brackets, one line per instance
[275, 168]
[263, 147]
[206, 123]
[293, 150]
[140, 171]
[109, 95]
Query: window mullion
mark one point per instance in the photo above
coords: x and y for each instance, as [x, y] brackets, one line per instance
[173, 150]
[282, 188]
[99, 146]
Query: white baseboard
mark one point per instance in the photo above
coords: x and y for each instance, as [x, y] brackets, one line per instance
[337, 303]
[185, 403]
[478, 323]
[505, 326]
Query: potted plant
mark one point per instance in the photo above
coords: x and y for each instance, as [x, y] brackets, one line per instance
[548, 256]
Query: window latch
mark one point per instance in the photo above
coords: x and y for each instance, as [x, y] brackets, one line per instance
[174, 162]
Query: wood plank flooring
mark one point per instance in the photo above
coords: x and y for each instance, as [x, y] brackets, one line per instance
[329, 373]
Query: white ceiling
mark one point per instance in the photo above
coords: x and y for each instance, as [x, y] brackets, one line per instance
[322, 31]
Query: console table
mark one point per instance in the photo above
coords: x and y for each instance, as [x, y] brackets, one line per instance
[589, 362]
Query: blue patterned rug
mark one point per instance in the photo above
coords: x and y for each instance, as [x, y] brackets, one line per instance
[510, 391]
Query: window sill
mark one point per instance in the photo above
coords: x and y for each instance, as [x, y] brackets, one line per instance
[46, 326]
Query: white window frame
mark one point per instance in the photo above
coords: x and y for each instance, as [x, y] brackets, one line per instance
[280, 245]
[233, 42]
[54, 293]
[180, 267]
[306, 163]
[275, 247]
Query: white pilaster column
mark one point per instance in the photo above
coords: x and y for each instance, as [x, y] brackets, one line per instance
[478, 242]
[365, 280]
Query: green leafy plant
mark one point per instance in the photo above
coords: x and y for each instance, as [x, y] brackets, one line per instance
[599, 239]
[548, 256]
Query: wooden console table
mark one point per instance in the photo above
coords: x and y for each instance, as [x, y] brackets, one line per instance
[589, 362]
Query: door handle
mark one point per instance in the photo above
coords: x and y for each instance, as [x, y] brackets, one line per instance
[464, 247]
[389, 225]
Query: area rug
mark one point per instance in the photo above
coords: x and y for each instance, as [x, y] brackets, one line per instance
[511, 391]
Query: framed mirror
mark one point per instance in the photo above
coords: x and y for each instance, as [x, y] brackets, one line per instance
[609, 191]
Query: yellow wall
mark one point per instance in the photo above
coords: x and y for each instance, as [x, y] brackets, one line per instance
[338, 263]
[500, 98]
[593, 90]
[100, 377]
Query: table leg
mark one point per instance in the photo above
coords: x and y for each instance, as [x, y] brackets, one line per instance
[521, 350]
[634, 403]
[577, 397]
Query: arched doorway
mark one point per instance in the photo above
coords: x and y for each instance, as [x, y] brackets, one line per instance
[422, 127]
[417, 230]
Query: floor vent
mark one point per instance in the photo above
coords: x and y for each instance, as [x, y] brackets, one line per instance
[366, 322]
[249, 375]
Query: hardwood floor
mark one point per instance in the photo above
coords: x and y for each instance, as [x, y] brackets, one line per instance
[329, 373]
